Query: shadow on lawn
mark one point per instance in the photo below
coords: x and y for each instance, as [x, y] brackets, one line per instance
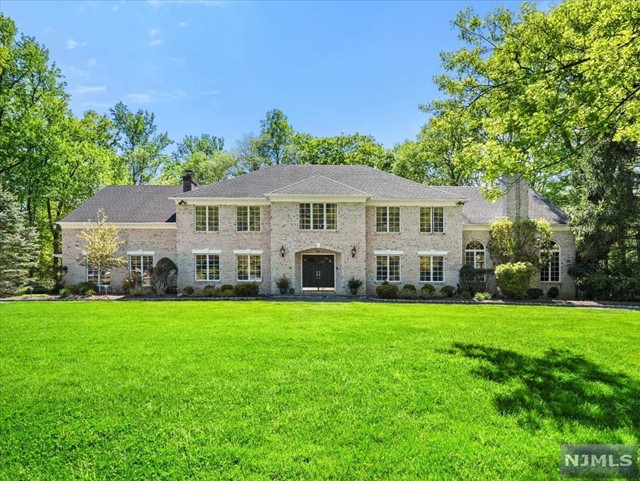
[559, 386]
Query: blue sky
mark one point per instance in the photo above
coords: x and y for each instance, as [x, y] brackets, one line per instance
[217, 67]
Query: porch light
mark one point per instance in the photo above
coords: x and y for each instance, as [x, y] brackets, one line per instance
[282, 251]
[353, 251]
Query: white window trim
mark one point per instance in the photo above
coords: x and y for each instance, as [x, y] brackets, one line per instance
[433, 253]
[195, 271]
[444, 220]
[324, 210]
[387, 231]
[444, 269]
[395, 254]
[206, 219]
[141, 254]
[475, 252]
[251, 252]
[206, 251]
[247, 207]
[387, 252]
[86, 265]
[559, 251]
[249, 267]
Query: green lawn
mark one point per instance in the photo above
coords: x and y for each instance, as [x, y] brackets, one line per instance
[266, 390]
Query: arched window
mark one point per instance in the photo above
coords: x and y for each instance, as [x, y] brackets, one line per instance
[551, 273]
[474, 254]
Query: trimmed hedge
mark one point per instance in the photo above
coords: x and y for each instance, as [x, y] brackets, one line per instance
[387, 291]
[246, 289]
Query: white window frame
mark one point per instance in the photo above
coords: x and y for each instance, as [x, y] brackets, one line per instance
[250, 275]
[206, 218]
[311, 218]
[208, 278]
[142, 255]
[475, 253]
[388, 223]
[431, 271]
[432, 220]
[388, 256]
[102, 283]
[557, 249]
[248, 210]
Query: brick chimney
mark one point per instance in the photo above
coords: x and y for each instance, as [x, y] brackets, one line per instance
[517, 194]
[188, 181]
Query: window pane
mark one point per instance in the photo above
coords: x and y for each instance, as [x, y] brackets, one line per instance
[254, 219]
[381, 219]
[332, 216]
[92, 274]
[437, 269]
[318, 216]
[201, 218]
[201, 267]
[243, 268]
[381, 268]
[242, 219]
[425, 219]
[394, 268]
[147, 262]
[394, 219]
[305, 216]
[135, 265]
[425, 269]
[256, 267]
[214, 218]
[214, 267]
[438, 219]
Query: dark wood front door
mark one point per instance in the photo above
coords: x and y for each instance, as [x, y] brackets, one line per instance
[318, 272]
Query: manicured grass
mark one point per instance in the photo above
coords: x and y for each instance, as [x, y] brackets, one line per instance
[266, 390]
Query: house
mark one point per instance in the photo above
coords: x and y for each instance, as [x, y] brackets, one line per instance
[317, 225]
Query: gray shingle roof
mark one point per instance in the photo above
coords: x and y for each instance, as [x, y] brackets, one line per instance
[318, 185]
[129, 203]
[375, 183]
[478, 210]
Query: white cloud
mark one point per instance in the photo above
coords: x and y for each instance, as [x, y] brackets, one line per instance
[161, 96]
[75, 72]
[72, 44]
[92, 104]
[179, 60]
[138, 98]
[92, 62]
[210, 92]
[156, 41]
[153, 37]
[88, 89]
[183, 25]
[153, 32]
[207, 3]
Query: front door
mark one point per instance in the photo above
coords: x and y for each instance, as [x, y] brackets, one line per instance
[318, 272]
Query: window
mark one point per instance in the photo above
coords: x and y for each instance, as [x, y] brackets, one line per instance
[388, 268]
[249, 267]
[207, 267]
[431, 269]
[431, 219]
[551, 273]
[140, 264]
[387, 219]
[207, 218]
[318, 216]
[474, 254]
[248, 218]
[92, 276]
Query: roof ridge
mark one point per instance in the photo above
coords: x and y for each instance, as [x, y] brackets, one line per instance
[294, 183]
[315, 177]
[346, 185]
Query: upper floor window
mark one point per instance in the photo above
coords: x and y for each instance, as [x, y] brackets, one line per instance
[140, 264]
[249, 267]
[207, 267]
[474, 254]
[248, 218]
[207, 218]
[431, 219]
[551, 273]
[318, 216]
[387, 219]
[388, 268]
[92, 276]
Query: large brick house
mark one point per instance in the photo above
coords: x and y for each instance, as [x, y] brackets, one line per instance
[317, 225]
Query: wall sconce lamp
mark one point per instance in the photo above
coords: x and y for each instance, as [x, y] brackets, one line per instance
[282, 251]
[353, 251]
[182, 202]
[65, 269]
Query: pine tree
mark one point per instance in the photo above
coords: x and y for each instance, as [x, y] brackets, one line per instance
[18, 246]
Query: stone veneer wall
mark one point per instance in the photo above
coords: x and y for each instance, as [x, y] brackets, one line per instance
[162, 241]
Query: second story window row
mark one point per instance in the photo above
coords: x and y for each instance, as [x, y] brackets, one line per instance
[387, 219]
[207, 218]
[432, 219]
[248, 218]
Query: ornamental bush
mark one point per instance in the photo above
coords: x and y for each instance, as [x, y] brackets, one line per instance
[513, 278]
[447, 291]
[387, 291]
[534, 293]
[246, 289]
[553, 292]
